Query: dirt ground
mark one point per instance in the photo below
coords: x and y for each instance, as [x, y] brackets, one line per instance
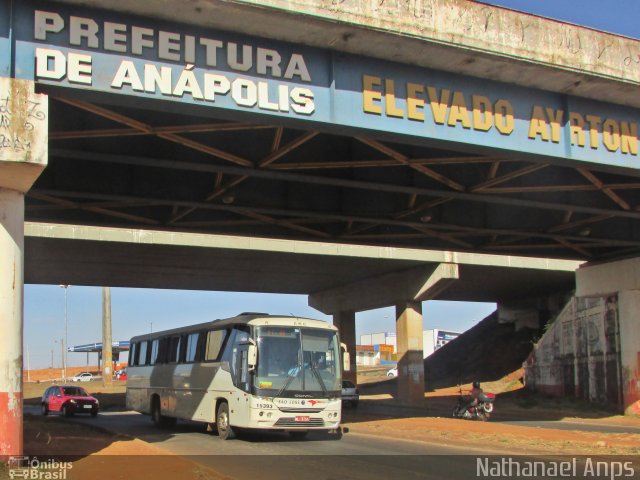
[432, 422]
[500, 438]
[98, 454]
[104, 455]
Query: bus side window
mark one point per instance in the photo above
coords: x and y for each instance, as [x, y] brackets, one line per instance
[201, 348]
[182, 343]
[142, 356]
[154, 352]
[192, 347]
[228, 347]
[163, 350]
[215, 340]
[174, 349]
[133, 354]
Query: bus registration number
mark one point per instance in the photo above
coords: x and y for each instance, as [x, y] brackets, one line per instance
[302, 418]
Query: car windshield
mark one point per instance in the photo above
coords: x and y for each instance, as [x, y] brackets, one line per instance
[297, 359]
[75, 392]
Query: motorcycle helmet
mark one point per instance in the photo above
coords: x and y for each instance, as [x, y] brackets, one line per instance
[476, 384]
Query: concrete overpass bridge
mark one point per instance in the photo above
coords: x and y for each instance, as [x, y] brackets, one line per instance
[365, 155]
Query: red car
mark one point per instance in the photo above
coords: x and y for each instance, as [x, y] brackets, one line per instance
[68, 399]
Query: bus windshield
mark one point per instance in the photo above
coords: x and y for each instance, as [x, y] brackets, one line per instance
[297, 360]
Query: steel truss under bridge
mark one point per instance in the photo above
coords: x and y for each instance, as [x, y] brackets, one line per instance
[116, 165]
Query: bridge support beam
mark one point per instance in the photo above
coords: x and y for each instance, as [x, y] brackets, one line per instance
[622, 279]
[11, 301]
[346, 323]
[416, 284]
[23, 124]
[406, 290]
[410, 357]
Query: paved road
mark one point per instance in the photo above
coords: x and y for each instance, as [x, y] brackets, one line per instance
[277, 456]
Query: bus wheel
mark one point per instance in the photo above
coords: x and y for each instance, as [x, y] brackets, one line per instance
[157, 418]
[298, 435]
[222, 422]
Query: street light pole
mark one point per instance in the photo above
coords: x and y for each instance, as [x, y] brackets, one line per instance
[61, 342]
[64, 360]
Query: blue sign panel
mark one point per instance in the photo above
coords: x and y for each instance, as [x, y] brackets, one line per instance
[141, 58]
[148, 59]
[424, 103]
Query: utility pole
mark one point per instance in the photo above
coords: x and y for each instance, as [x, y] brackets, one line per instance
[65, 346]
[107, 363]
[64, 377]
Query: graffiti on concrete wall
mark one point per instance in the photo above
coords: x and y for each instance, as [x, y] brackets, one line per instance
[10, 129]
[579, 353]
[23, 122]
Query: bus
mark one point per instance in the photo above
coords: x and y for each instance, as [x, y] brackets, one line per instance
[252, 371]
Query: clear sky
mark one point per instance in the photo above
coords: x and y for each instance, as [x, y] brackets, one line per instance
[136, 311]
[614, 16]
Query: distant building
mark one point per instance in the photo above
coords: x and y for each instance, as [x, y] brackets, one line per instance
[366, 355]
[435, 338]
[381, 348]
[384, 338]
[376, 349]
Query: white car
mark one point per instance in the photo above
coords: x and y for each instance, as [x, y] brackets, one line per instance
[82, 377]
[393, 372]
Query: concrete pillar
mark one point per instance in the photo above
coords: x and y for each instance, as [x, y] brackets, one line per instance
[23, 156]
[621, 278]
[11, 308]
[346, 323]
[410, 361]
[629, 318]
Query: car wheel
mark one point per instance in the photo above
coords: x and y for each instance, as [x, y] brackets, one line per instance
[66, 411]
[45, 409]
[223, 423]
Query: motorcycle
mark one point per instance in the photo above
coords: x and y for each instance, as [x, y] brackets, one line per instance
[482, 409]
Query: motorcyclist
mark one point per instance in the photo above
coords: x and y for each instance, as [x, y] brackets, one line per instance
[475, 393]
